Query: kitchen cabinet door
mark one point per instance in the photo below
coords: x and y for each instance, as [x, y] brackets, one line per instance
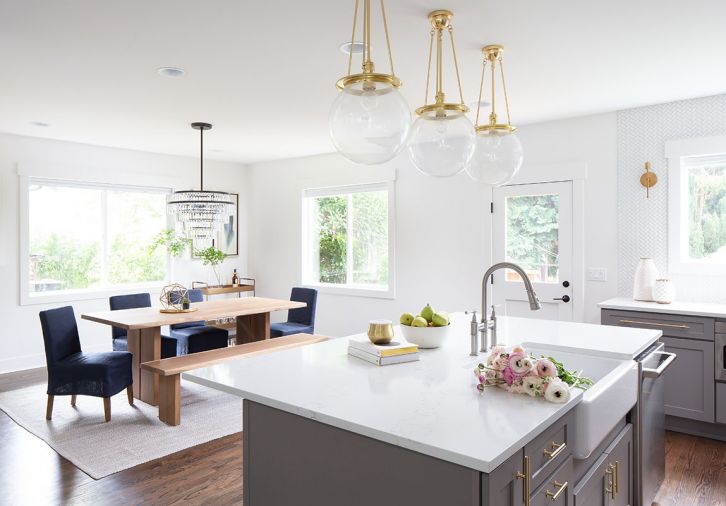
[620, 470]
[591, 490]
[689, 381]
[505, 485]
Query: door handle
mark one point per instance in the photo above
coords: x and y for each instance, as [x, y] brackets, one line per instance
[564, 298]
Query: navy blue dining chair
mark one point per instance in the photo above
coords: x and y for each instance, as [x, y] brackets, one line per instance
[134, 301]
[193, 337]
[72, 372]
[300, 320]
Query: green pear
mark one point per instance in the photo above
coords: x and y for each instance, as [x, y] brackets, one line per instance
[419, 322]
[406, 319]
[440, 319]
[428, 312]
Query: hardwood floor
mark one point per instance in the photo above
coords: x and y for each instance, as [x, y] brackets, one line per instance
[31, 473]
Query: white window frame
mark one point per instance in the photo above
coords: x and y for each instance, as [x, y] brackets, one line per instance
[350, 289]
[677, 152]
[30, 298]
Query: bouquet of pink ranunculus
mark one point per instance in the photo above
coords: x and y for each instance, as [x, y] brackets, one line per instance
[520, 373]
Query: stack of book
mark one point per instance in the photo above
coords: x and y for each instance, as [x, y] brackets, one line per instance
[386, 354]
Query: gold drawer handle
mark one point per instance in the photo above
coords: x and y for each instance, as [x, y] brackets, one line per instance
[561, 487]
[526, 477]
[610, 471]
[654, 324]
[556, 450]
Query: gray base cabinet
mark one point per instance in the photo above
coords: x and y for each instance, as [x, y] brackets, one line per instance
[609, 482]
[689, 382]
[721, 403]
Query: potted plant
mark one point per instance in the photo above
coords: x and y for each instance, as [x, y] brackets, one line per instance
[212, 256]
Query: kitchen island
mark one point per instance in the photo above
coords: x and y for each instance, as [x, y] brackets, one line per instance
[321, 427]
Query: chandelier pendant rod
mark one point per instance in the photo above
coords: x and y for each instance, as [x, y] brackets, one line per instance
[201, 159]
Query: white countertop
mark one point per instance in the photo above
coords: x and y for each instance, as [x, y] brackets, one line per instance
[683, 308]
[431, 406]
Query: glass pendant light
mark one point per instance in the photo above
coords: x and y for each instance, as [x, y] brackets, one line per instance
[370, 119]
[442, 137]
[201, 213]
[498, 152]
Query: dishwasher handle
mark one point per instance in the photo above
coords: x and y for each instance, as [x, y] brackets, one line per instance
[649, 372]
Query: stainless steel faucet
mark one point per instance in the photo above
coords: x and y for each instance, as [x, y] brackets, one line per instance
[490, 324]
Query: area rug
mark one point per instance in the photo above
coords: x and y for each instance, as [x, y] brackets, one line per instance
[133, 436]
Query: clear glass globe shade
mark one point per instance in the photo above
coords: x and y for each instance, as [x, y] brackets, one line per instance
[441, 145]
[497, 158]
[369, 125]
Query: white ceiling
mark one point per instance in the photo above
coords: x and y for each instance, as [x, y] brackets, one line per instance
[264, 72]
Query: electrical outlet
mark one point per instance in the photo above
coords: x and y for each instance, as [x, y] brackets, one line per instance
[597, 274]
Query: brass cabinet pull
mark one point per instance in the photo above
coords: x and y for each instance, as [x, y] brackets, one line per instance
[610, 471]
[556, 450]
[561, 487]
[655, 324]
[616, 483]
[526, 478]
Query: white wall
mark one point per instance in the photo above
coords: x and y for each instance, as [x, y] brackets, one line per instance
[442, 225]
[21, 342]
[643, 223]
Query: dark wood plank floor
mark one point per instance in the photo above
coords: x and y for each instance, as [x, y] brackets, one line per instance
[32, 473]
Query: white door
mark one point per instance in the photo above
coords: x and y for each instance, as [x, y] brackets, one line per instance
[532, 227]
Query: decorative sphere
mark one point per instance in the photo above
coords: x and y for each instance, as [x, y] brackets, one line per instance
[441, 143]
[497, 157]
[369, 122]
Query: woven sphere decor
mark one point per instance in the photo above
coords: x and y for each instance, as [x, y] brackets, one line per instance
[172, 297]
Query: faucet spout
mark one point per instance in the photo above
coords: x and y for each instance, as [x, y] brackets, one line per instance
[488, 323]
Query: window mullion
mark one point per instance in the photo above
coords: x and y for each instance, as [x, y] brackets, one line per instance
[349, 242]
[104, 240]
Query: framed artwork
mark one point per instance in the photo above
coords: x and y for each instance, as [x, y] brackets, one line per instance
[227, 239]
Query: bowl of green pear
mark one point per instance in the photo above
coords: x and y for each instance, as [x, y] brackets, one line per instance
[428, 329]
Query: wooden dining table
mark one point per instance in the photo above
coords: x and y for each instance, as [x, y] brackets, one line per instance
[143, 327]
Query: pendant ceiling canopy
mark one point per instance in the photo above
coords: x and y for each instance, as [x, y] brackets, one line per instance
[201, 213]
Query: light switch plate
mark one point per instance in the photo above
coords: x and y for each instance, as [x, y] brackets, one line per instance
[597, 274]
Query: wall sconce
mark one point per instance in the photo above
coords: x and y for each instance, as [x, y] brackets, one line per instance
[648, 179]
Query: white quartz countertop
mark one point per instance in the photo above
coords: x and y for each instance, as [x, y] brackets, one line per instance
[430, 406]
[682, 308]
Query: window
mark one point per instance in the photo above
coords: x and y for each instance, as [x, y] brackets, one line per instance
[83, 238]
[347, 239]
[697, 203]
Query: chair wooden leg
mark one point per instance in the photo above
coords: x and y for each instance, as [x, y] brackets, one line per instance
[130, 394]
[73, 401]
[49, 408]
[107, 408]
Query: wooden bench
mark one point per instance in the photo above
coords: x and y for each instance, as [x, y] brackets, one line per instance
[170, 369]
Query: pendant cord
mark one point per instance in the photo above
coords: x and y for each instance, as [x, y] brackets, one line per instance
[352, 38]
[504, 87]
[493, 115]
[481, 88]
[388, 39]
[201, 159]
[439, 58]
[456, 63]
[428, 72]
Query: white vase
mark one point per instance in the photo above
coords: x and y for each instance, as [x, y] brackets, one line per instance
[645, 276]
[663, 291]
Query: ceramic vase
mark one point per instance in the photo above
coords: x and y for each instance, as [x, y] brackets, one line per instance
[645, 276]
[663, 291]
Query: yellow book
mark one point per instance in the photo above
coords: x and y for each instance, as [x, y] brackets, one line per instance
[391, 349]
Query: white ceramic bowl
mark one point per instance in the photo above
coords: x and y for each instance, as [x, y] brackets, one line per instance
[426, 337]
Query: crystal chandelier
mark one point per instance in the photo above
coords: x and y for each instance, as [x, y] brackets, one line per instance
[498, 152]
[442, 137]
[202, 213]
[369, 120]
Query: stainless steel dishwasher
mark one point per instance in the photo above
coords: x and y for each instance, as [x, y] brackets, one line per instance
[650, 424]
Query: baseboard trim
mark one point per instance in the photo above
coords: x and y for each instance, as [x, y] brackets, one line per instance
[25, 362]
[696, 428]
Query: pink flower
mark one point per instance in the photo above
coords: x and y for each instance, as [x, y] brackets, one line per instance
[497, 350]
[545, 368]
[520, 363]
[509, 376]
[518, 349]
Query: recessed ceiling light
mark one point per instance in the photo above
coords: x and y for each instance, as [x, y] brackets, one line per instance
[39, 124]
[357, 47]
[171, 71]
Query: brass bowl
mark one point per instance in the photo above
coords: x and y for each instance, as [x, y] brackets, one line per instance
[380, 331]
